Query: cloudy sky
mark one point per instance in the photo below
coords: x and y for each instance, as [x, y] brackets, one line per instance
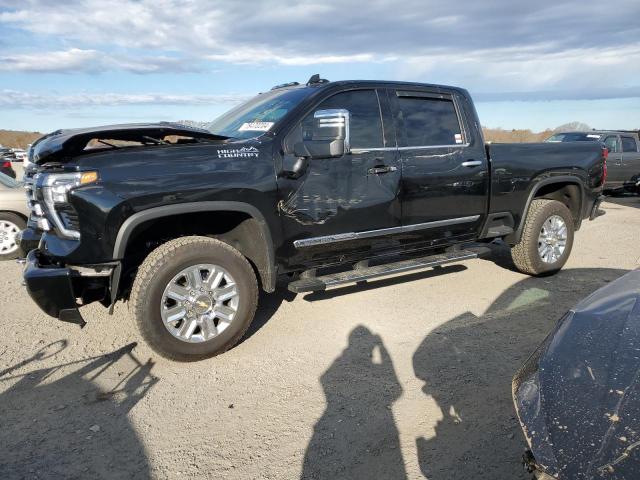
[528, 64]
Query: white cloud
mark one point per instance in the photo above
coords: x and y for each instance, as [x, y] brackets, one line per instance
[76, 60]
[548, 45]
[256, 56]
[21, 99]
[532, 72]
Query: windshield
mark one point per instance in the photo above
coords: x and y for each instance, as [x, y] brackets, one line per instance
[8, 181]
[574, 137]
[258, 115]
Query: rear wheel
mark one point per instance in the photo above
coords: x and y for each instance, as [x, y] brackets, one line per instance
[10, 225]
[547, 238]
[194, 297]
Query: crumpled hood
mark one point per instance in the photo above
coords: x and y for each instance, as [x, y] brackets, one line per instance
[578, 396]
[62, 144]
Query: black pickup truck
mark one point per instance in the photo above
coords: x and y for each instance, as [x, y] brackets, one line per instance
[319, 184]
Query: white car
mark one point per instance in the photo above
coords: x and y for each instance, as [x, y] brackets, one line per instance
[21, 155]
[13, 216]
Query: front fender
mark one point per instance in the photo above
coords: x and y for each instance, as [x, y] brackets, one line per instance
[266, 268]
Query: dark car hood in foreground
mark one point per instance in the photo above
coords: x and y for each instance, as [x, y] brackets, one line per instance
[578, 396]
[61, 144]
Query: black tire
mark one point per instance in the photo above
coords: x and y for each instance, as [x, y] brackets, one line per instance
[19, 222]
[525, 253]
[161, 266]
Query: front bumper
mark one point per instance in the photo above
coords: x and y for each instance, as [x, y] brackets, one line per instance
[57, 290]
[52, 289]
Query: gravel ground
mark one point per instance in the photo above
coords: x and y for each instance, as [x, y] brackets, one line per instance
[407, 377]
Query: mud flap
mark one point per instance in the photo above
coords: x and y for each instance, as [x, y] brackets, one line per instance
[72, 315]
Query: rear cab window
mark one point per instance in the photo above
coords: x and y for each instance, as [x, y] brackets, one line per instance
[629, 144]
[428, 119]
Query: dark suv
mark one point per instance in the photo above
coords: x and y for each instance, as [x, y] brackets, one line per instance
[624, 155]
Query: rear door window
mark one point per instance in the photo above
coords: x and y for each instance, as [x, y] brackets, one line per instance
[429, 120]
[629, 144]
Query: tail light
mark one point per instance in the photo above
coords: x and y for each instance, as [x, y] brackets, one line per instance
[605, 155]
[6, 164]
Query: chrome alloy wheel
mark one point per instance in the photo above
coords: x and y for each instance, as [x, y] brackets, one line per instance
[8, 232]
[199, 303]
[552, 239]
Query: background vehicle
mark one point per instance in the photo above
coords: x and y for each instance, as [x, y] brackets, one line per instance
[13, 216]
[7, 169]
[623, 163]
[362, 178]
[20, 155]
[6, 158]
[578, 396]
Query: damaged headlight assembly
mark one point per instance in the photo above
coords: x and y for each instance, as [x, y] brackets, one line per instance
[55, 193]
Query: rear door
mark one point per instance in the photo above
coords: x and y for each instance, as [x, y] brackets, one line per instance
[445, 182]
[630, 158]
[615, 170]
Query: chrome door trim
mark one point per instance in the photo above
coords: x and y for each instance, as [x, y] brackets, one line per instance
[344, 237]
[358, 151]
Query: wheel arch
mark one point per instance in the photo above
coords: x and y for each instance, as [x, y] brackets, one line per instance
[260, 252]
[568, 189]
[17, 213]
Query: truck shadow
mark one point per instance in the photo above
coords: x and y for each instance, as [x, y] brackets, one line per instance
[270, 302]
[385, 282]
[467, 365]
[57, 422]
[356, 437]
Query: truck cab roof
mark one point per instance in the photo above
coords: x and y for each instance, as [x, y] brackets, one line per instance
[325, 84]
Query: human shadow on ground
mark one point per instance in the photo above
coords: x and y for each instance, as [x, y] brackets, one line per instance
[467, 365]
[356, 437]
[58, 423]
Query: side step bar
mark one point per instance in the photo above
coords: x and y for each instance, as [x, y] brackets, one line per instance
[314, 284]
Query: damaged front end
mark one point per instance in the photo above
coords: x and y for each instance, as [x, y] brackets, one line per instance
[62, 145]
[67, 261]
[578, 396]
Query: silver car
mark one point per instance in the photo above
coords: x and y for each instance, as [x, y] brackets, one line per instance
[13, 215]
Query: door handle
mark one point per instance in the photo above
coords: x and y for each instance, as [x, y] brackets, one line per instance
[471, 163]
[382, 169]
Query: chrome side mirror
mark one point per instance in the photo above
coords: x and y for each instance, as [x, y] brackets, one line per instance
[329, 135]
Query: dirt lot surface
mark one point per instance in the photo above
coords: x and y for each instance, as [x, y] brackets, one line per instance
[408, 377]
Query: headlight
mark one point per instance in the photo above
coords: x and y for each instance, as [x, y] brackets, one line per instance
[55, 190]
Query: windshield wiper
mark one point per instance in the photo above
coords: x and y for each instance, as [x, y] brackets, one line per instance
[108, 144]
[157, 141]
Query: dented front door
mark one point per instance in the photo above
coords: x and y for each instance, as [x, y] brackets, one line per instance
[340, 208]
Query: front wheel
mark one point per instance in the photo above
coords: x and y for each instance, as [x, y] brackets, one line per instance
[194, 297]
[547, 238]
